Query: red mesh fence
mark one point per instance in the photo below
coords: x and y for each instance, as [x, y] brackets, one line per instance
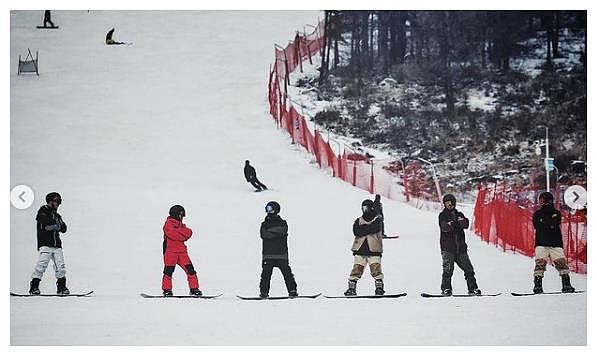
[382, 177]
[504, 217]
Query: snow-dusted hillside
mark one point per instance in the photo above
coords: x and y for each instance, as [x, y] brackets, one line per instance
[125, 132]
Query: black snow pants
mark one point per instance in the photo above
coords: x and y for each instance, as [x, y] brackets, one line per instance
[266, 274]
[463, 261]
[257, 184]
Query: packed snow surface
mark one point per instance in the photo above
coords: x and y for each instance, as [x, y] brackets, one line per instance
[124, 132]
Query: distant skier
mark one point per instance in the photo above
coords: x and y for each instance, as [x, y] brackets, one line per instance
[49, 245]
[274, 233]
[367, 247]
[251, 177]
[549, 244]
[175, 252]
[453, 247]
[109, 40]
[48, 19]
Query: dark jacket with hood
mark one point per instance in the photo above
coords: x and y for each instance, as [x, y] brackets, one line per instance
[547, 221]
[249, 172]
[48, 218]
[274, 233]
[452, 231]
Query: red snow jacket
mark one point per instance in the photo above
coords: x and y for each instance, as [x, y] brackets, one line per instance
[175, 234]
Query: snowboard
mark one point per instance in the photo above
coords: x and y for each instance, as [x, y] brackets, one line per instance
[527, 294]
[144, 295]
[48, 27]
[51, 295]
[391, 237]
[367, 296]
[427, 295]
[313, 296]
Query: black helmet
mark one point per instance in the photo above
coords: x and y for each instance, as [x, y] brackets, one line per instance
[451, 198]
[272, 207]
[177, 212]
[53, 196]
[367, 206]
[546, 196]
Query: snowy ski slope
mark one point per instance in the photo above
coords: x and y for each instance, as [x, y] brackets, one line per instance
[124, 132]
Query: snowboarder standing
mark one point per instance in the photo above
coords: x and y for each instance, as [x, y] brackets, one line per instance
[49, 245]
[251, 177]
[274, 234]
[367, 248]
[48, 19]
[549, 244]
[453, 247]
[175, 252]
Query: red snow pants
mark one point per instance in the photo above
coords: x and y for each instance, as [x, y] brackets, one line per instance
[171, 259]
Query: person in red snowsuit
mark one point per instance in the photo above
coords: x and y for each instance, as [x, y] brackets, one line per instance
[175, 252]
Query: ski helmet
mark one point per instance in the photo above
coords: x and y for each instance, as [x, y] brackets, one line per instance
[53, 196]
[272, 207]
[367, 206]
[546, 197]
[177, 212]
[451, 198]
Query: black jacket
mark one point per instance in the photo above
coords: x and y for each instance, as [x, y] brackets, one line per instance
[452, 231]
[48, 217]
[249, 172]
[547, 221]
[109, 35]
[362, 230]
[274, 233]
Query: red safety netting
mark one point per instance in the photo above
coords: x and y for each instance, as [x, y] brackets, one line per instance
[381, 177]
[504, 217]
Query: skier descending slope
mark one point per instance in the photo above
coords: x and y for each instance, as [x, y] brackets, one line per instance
[251, 177]
[453, 246]
[175, 252]
[548, 243]
[274, 233]
[49, 245]
[367, 247]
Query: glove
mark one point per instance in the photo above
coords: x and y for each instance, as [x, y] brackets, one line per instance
[55, 227]
[377, 197]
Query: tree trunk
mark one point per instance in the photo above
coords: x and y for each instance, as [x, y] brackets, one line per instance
[324, 66]
[556, 37]
[444, 50]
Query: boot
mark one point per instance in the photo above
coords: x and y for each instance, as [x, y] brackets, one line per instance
[195, 292]
[379, 287]
[61, 286]
[352, 288]
[475, 291]
[538, 288]
[447, 292]
[263, 295]
[167, 293]
[34, 286]
[293, 293]
[566, 287]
